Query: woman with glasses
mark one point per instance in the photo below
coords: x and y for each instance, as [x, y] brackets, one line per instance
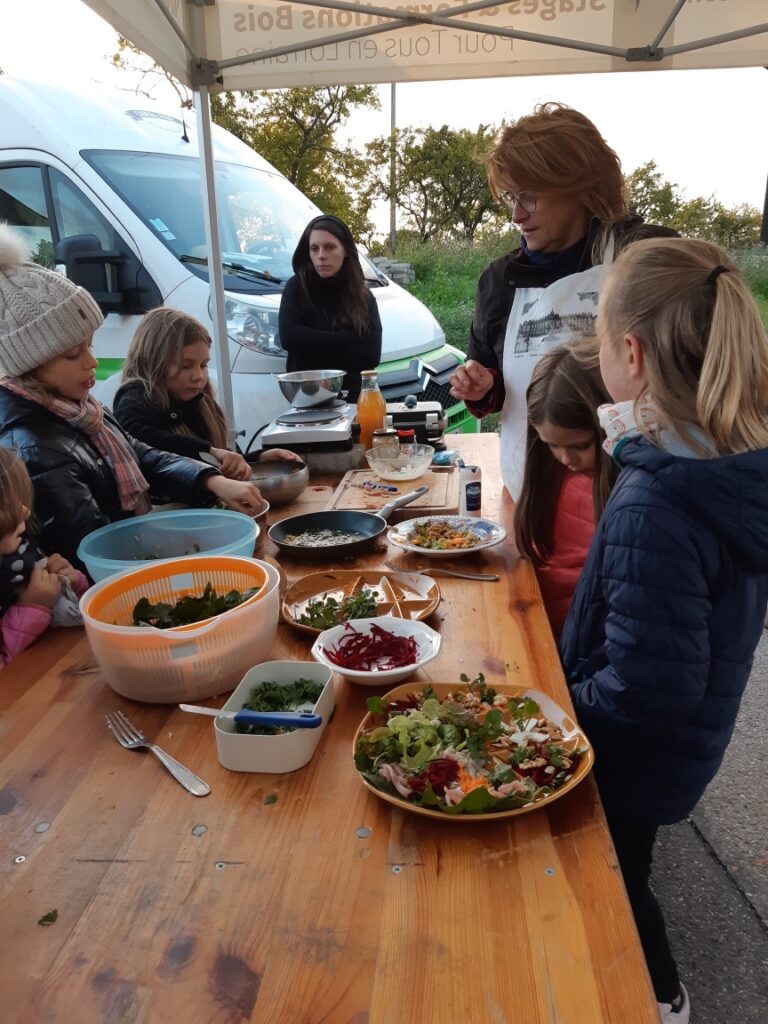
[563, 187]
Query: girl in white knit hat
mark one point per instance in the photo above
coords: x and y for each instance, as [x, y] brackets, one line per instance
[85, 470]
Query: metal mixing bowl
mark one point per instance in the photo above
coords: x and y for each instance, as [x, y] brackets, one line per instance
[305, 389]
[279, 480]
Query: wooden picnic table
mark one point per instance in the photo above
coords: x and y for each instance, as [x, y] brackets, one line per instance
[328, 905]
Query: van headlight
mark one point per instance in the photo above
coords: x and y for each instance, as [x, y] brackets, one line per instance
[253, 328]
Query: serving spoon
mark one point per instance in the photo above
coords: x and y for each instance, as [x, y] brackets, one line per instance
[439, 571]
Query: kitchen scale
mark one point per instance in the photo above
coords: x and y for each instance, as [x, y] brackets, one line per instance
[324, 428]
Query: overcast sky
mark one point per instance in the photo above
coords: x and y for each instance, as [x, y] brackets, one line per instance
[706, 130]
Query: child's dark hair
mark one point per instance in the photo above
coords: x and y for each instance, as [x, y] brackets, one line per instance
[16, 490]
[565, 390]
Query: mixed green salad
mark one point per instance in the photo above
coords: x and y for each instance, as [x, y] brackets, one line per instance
[474, 751]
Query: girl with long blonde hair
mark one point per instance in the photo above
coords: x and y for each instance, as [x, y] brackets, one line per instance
[663, 626]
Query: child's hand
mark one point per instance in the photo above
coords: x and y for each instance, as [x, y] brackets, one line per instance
[471, 382]
[241, 496]
[272, 454]
[61, 567]
[43, 588]
[233, 465]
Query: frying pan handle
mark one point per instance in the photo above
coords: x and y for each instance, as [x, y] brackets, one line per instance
[405, 499]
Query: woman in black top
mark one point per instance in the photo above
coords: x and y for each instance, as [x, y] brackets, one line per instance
[328, 318]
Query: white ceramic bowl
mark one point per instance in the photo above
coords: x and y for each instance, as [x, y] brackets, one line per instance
[427, 642]
[241, 752]
[406, 462]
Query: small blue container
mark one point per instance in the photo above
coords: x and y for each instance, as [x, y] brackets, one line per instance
[126, 544]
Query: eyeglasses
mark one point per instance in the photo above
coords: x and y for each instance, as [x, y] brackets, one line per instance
[525, 200]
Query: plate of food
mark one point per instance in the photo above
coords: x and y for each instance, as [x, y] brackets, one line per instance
[446, 536]
[321, 600]
[469, 751]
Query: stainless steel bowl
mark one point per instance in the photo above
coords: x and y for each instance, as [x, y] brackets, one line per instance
[279, 480]
[305, 389]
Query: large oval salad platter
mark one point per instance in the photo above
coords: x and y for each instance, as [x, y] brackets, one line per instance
[446, 536]
[469, 751]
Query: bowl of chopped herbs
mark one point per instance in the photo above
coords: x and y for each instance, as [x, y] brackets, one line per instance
[275, 686]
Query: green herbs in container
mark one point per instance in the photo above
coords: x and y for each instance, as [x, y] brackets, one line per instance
[301, 695]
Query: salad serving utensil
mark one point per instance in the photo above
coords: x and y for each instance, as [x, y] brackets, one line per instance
[490, 577]
[128, 736]
[291, 719]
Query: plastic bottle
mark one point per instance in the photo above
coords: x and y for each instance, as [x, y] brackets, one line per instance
[470, 490]
[371, 408]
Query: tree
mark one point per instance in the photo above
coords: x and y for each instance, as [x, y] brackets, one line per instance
[660, 201]
[295, 129]
[440, 179]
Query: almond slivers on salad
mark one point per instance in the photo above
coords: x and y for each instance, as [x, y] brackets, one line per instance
[474, 751]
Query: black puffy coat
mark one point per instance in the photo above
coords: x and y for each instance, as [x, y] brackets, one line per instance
[75, 490]
[147, 422]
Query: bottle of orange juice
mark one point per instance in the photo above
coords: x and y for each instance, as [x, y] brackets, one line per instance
[371, 408]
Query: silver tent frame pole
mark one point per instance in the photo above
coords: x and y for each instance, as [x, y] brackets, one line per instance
[215, 269]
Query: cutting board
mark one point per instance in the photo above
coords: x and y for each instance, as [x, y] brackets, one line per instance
[441, 499]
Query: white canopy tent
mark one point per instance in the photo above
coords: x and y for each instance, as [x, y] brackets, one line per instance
[270, 44]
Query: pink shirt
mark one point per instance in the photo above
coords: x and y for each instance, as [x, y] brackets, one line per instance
[572, 532]
[22, 624]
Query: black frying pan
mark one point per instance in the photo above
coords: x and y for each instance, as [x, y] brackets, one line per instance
[369, 525]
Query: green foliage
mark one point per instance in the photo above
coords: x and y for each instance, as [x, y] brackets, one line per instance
[295, 129]
[440, 179]
[659, 201]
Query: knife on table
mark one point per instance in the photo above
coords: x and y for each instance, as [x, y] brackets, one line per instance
[291, 719]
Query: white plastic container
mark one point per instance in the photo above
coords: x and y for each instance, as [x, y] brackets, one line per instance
[240, 752]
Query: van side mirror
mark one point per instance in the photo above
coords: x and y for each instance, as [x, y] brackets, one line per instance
[116, 280]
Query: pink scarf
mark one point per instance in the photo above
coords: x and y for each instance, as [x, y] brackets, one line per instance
[88, 416]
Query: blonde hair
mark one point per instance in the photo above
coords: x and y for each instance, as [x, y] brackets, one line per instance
[559, 151]
[705, 350]
[159, 344]
[16, 490]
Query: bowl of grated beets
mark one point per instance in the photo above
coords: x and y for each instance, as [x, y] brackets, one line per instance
[375, 652]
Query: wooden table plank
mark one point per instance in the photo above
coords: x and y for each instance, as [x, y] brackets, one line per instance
[326, 906]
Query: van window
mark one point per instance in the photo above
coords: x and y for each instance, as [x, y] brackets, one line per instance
[76, 215]
[261, 214]
[23, 205]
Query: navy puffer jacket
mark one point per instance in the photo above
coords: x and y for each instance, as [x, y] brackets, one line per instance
[659, 641]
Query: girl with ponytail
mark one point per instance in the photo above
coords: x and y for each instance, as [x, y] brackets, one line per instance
[659, 640]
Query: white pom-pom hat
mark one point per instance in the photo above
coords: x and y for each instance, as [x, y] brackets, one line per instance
[42, 313]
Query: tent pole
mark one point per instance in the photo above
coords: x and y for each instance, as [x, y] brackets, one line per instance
[392, 173]
[764, 225]
[215, 270]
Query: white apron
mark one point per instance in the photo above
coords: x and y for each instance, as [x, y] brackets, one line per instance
[540, 319]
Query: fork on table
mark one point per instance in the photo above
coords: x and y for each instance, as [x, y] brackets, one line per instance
[131, 738]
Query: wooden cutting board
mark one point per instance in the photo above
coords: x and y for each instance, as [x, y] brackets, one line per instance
[441, 499]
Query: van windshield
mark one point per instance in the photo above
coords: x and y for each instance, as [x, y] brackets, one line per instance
[261, 214]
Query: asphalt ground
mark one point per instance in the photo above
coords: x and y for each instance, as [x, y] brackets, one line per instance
[711, 875]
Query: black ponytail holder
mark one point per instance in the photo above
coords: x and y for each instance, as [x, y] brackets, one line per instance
[714, 274]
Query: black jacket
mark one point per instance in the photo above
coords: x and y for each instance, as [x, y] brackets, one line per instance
[138, 417]
[75, 490]
[316, 336]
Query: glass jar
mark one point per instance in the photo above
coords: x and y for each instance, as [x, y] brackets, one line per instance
[371, 407]
[384, 437]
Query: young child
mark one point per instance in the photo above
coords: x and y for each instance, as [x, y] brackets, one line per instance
[567, 476]
[166, 399]
[35, 592]
[659, 641]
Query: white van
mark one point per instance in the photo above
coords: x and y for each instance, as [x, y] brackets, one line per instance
[107, 187]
